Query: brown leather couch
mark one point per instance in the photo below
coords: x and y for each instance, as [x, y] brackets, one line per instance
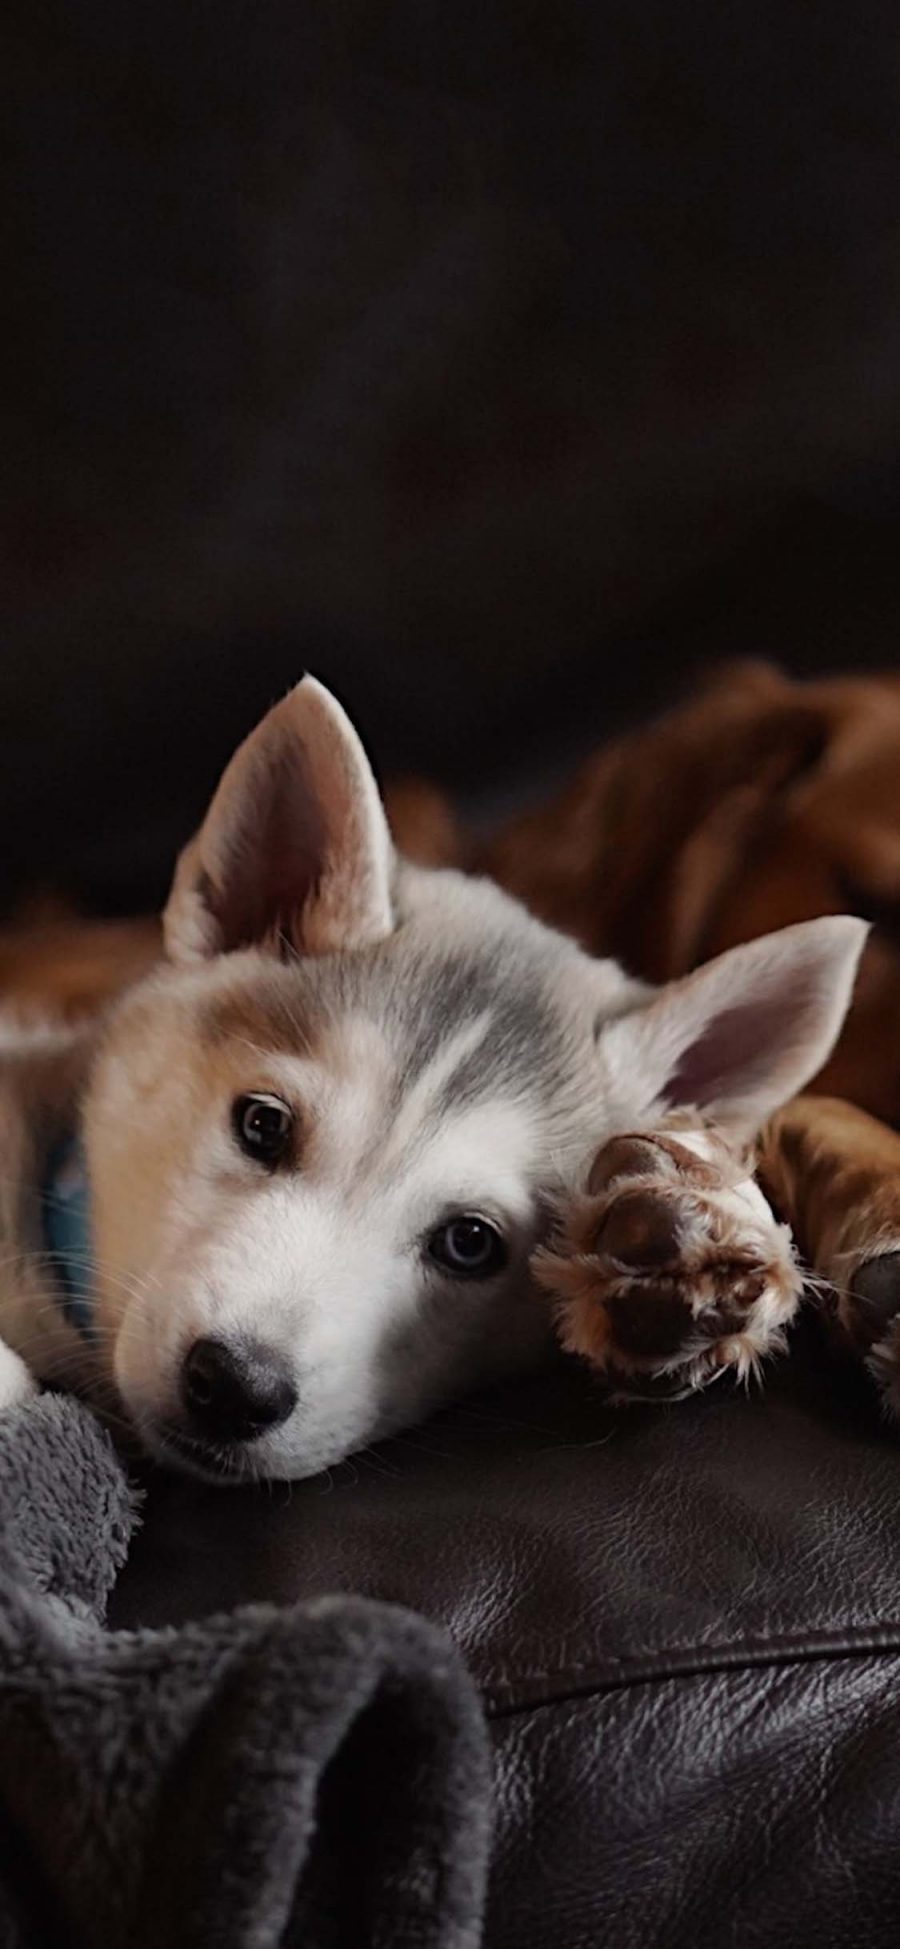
[686, 1624]
[499, 364]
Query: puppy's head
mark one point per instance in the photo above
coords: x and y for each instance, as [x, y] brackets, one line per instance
[324, 1140]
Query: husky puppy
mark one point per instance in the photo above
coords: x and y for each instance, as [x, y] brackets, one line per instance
[319, 1147]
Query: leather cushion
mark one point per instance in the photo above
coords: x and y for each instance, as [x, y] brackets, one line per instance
[685, 1619]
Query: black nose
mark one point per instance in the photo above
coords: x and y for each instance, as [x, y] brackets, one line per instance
[233, 1391]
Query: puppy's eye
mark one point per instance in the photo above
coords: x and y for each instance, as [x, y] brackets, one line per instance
[469, 1247]
[262, 1126]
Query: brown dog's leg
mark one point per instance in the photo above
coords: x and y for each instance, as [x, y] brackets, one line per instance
[833, 1173]
[671, 1269]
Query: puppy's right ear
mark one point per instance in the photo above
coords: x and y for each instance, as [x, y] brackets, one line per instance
[742, 1035]
[295, 846]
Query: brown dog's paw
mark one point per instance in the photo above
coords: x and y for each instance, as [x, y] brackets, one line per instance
[867, 1310]
[671, 1269]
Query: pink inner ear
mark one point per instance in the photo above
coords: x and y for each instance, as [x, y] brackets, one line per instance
[732, 1049]
[272, 856]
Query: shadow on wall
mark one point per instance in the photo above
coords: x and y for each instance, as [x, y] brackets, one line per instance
[500, 362]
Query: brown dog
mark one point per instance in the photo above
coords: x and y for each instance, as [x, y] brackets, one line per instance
[759, 803]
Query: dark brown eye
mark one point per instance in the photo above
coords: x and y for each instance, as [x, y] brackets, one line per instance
[262, 1126]
[469, 1247]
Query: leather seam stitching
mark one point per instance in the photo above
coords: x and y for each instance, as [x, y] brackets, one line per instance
[615, 1674]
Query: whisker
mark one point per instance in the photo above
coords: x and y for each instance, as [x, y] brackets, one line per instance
[370, 1460]
[134, 1284]
[407, 1441]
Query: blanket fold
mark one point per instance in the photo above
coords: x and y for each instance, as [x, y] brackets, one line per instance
[315, 1777]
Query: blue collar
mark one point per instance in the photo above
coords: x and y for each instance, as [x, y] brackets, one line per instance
[65, 1215]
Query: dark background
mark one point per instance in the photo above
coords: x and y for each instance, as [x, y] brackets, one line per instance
[502, 362]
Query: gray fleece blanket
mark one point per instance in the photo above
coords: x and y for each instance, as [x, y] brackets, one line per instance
[314, 1777]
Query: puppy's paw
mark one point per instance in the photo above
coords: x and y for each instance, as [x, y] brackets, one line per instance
[671, 1269]
[17, 1383]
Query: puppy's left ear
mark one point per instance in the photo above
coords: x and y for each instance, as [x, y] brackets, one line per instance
[742, 1035]
[295, 846]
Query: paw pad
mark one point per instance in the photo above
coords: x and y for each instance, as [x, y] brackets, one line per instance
[639, 1228]
[652, 1322]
